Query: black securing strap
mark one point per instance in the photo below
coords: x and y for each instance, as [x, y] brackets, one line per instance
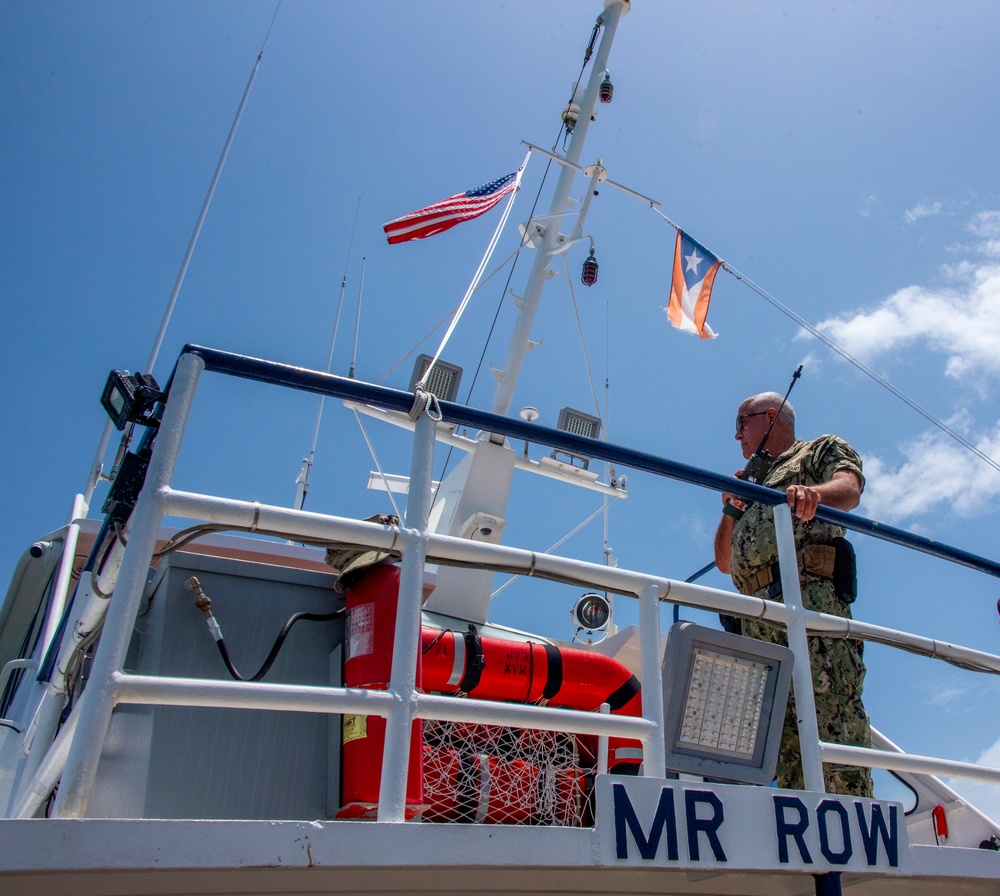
[626, 692]
[554, 676]
[475, 661]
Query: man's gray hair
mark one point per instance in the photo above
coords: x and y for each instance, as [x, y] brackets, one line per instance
[766, 400]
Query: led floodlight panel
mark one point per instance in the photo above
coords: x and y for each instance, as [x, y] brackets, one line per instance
[443, 381]
[724, 700]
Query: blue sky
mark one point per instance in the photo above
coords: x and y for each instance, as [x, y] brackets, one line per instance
[842, 156]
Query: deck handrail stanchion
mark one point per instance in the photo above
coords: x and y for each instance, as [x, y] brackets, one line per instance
[406, 643]
[654, 750]
[802, 682]
[99, 698]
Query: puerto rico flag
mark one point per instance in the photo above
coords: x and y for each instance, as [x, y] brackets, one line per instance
[451, 211]
[691, 286]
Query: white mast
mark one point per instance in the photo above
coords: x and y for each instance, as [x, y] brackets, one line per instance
[518, 345]
[472, 500]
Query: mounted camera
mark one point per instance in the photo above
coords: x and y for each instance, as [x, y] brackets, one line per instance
[129, 398]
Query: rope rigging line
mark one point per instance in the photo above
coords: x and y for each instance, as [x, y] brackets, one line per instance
[473, 286]
[515, 255]
[583, 347]
[444, 319]
[607, 503]
[564, 132]
[847, 356]
[378, 466]
[517, 252]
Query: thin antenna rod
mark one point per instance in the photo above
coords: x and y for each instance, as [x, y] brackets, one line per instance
[303, 479]
[97, 467]
[201, 219]
[357, 320]
[609, 555]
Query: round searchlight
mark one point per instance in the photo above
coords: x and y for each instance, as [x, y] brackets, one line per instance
[592, 612]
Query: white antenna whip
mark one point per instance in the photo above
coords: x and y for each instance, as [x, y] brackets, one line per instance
[357, 321]
[303, 479]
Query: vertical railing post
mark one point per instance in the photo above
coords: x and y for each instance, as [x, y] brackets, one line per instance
[98, 699]
[802, 682]
[602, 744]
[654, 750]
[406, 643]
[60, 590]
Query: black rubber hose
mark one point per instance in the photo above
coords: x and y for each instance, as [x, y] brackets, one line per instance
[273, 655]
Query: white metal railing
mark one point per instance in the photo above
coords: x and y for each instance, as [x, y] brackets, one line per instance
[73, 757]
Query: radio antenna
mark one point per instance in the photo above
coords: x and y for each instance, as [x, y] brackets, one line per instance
[303, 479]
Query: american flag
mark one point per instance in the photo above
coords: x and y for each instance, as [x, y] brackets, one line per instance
[451, 211]
[691, 286]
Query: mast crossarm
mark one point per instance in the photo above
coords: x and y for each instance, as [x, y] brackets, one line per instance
[559, 160]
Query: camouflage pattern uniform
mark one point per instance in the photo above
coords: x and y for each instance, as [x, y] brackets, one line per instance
[838, 669]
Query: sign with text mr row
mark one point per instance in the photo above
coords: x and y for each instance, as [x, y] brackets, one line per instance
[649, 821]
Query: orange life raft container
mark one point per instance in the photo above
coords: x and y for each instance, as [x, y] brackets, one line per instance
[469, 664]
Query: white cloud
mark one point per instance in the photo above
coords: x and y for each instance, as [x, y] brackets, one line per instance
[985, 797]
[937, 473]
[960, 320]
[868, 205]
[945, 696]
[985, 225]
[923, 210]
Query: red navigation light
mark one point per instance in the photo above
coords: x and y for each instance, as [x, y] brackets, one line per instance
[607, 89]
[589, 275]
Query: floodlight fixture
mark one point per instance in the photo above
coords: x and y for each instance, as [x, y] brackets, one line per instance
[443, 381]
[129, 398]
[577, 423]
[724, 699]
[591, 613]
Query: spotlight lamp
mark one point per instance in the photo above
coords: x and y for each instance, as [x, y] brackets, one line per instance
[591, 613]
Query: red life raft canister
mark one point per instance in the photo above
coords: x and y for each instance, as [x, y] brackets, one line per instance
[464, 663]
[371, 625]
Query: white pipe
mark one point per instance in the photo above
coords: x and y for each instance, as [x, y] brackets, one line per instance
[805, 700]
[98, 699]
[841, 754]
[37, 745]
[839, 626]
[60, 590]
[602, 744]
[35, 790]
[527, 715]
[406, 640]
[559, 160]
[654, 751]
[305, 526]
[152, 690]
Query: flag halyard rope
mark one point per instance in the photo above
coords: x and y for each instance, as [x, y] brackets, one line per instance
[847, 356]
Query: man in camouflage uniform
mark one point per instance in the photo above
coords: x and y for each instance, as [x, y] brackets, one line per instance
[824, 471]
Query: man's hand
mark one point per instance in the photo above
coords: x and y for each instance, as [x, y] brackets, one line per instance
[842, 492]
[803, 500]
[729, 497]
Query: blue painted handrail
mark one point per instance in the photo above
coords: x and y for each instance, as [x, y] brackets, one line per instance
[303, 379]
